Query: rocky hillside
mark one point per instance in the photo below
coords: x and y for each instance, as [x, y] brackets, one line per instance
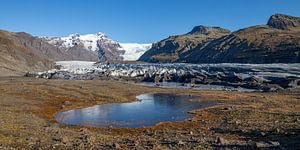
[20, 52]
[174, 47]
[276, 42]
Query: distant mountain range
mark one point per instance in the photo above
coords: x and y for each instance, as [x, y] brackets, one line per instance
[97, 47]
[276, 42]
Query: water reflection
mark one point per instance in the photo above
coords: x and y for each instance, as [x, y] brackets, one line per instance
[152, 109]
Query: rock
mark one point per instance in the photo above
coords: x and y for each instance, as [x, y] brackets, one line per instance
[262, 133]
[262, 145]
[116, 146]
[91, 139]
[56, 138]
[221, 141]
[269, 144]
[274, 143]
[237, 122]
[167, 77]
[257, 79]
[65, 140]
[278, 130]
[228, 108]
[203, 121]
[67, 103]
[157, 79]
[181, 143]
[139, 148]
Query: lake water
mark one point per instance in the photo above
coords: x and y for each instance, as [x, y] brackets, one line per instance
[150, 110]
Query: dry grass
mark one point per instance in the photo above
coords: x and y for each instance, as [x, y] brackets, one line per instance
[28, 107]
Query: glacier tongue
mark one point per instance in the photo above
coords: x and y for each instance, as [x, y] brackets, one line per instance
[133, 51]
[262, 77]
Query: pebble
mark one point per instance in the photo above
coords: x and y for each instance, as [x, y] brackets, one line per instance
[274, 143]
[181, 143]
[228, 108]
[67, 103]
[117, 146]
[203, 121]
[221, 141]
[65, 140]
[139, 148]
[269, 144]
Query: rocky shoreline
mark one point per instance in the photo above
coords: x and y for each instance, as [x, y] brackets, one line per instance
[262, 77]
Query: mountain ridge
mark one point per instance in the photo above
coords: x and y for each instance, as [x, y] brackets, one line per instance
[171, 48]
[276, 42]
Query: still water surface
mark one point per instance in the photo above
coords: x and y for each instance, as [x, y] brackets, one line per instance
[150, 110]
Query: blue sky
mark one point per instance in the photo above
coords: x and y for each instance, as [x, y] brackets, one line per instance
[142, 21]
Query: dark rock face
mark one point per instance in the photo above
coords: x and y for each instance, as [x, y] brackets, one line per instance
[109, 51]
[283, 22]
[277, 42]
[79, 53]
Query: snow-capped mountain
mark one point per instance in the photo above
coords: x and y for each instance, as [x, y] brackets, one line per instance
[105, 48]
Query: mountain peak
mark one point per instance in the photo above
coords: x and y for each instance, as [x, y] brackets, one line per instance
[283, 22]
[207, 30]
[101, 34]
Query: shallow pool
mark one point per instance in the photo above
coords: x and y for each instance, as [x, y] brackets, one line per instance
[150, 110]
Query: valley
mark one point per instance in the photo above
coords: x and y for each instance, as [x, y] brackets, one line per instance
[210, 88]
